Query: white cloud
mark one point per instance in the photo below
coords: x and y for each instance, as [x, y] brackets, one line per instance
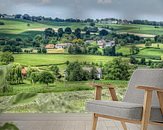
[45, 1]
[104, 1]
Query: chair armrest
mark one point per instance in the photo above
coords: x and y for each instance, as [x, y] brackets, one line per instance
[99, 91]
[147, 88]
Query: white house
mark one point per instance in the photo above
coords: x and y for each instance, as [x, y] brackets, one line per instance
[110, 44]
[62, 45]
[99, 71]
[101, 43]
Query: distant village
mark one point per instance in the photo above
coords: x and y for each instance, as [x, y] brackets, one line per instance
[101, 44]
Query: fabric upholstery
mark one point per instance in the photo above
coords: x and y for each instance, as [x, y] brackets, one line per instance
[147, 77]
[131, 111]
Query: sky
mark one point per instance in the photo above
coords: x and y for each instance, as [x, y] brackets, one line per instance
[124, 9]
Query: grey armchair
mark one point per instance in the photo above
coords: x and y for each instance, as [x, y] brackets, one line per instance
[142, 104]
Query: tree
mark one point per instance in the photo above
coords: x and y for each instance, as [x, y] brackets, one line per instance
[68, 30]
[87, 33]
[60, 32]
[143, 61]
[46, 77]
[15, 75]
[4, 85]
[74, 72]
[92, 24]
[78, 41]
[134, 50]
[133, 60]
[7, 48]
[110, 51]
[44, 50]
[34, 76]
[7, 57]
[49, 32]
[78, 33]
[16, 49]
[2, 23]
[118, 69]
[103, 32]
[55, 70]
[38, 39]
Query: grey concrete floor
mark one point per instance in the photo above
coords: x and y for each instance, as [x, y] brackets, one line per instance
[53, 121]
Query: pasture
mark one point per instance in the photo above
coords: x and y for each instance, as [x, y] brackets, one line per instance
[135, 28]
[20, 28]
[45, 59]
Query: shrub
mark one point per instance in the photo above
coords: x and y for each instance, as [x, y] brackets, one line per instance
[46, 78]
[7, 57]
[2, 23]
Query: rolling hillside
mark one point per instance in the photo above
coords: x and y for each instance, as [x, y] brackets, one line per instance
[23, 28]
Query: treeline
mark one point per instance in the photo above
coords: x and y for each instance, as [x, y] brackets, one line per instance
[107, 20]
[146, 22]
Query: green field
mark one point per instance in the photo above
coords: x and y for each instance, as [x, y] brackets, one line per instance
[19, 28]
[124, 49]
[43, 59]
[136, 28]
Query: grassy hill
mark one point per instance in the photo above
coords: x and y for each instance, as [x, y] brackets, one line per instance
[136, 28]
[20, 28]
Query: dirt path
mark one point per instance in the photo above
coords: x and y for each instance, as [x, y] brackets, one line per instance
[40, 29]
[140, 35]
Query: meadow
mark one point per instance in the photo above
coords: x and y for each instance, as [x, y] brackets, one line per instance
[45, 59]
[20, 28]
[135, 28]
[60, 97]
[15, 28]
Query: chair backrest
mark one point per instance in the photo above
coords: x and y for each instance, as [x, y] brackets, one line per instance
[146, 77]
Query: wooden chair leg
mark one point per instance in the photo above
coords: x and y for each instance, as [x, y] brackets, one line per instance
[146, 110]
[94, 123]
[124, 125]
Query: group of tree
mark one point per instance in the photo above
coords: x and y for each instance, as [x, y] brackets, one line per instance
[76, 72]
[159, 38]
[142, 61]
[44, 77]
[118, 69]
[134, 50]
[42, 50]
[12, 45]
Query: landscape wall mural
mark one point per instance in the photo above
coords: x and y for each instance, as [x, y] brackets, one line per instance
[50, 54]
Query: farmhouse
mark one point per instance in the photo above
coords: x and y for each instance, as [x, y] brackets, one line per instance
[99, 71]
[103, 43]
[8, 16]
[62, 45]
[110, 44]
[50, 46]
[89, 41]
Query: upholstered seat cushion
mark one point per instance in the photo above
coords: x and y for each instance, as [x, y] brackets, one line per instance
[131, 111]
